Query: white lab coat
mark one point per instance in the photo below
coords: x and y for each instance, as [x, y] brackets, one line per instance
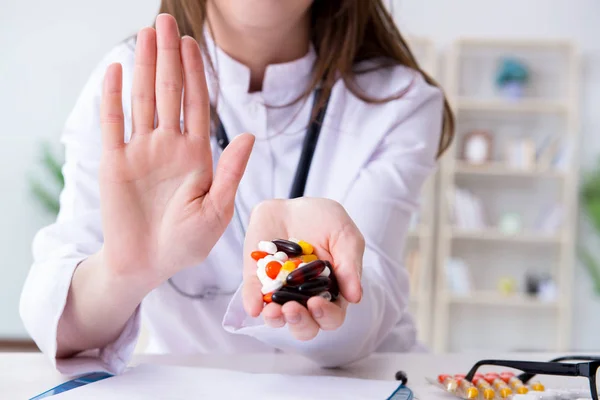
[373, 159]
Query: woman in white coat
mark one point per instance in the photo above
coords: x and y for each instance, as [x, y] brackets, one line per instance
[146, 232]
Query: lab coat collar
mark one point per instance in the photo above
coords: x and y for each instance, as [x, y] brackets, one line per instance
[282, 83]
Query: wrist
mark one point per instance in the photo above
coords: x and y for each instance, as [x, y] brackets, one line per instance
[127, 282]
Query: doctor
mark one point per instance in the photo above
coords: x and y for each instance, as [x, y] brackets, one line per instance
[339, 112]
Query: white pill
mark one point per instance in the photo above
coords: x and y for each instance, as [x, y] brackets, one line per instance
[282, 275]
[262, 275]
[271, 286]
[325, 295]
[294, 240]
[281, 256]
[270, 258]
[262, 263]
[326, 272]
[268, 247]
[302, 265]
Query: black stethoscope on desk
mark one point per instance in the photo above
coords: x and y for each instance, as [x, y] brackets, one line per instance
[298, 184]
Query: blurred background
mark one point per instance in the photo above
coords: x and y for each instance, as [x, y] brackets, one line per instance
[505, 251]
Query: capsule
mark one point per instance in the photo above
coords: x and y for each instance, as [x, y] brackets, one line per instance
[308, 258]
[290, 248]
[537, 387]
[283, 296]
[487, 393]
[320, 284]
[449, 383]
[466, 388]
[257, 255]
[333, 288]
[514, 383]
[306, 247]
[306, 273]
[288, 266]
[267, 297]
[272, 269]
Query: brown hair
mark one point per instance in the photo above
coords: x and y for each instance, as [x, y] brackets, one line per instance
[344, 32]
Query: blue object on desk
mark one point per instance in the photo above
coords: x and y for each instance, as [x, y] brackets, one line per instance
[402, 393]
[72, 384]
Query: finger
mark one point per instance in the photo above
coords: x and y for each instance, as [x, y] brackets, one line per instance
[229, 172]
[300, 323]
[328, 315]
[348, 251]
[252, 296]
[111, 109]
[169, 78]
[143, 99]
[273, 315]
[196, 104]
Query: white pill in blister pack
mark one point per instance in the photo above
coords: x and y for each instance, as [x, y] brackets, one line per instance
[268, 247]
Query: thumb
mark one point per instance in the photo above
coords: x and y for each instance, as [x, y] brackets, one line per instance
[230, 171]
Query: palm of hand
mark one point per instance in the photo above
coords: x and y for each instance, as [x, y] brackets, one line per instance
[326, 225]
[161, 209]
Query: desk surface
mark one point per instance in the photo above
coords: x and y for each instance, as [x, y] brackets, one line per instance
[23, 375]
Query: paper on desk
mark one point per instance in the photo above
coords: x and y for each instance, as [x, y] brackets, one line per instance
[179, 383]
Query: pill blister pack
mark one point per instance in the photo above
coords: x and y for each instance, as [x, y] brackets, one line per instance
[503, 385]
[289, 270]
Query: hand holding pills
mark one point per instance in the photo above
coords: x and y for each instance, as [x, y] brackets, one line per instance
[305, 283]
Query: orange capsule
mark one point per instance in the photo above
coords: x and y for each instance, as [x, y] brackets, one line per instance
[267, 297]
[272, 269]
[296, 261]
[257, 255]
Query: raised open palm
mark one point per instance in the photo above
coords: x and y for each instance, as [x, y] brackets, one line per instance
[162, 211]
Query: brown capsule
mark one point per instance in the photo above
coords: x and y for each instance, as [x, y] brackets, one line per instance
[333, 287]
[282, 297]
[306, 273]
[290, 248]
[320, 284]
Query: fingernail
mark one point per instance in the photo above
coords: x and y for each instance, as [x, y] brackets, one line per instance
[292, 318]
[317, 312]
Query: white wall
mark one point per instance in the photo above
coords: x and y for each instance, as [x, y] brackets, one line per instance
[48, 50]
[444, 21]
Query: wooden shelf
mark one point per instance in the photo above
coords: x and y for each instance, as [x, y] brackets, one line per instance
[520, 106]
[491, 298]
[495, 235]
[503, 170]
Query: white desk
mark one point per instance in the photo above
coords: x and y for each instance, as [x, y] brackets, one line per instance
[23, 375]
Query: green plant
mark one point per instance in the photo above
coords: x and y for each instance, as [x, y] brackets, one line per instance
[47, 190]
[590, 200]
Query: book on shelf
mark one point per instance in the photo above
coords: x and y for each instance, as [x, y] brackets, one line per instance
[467, 210]
[521, 153]
[458, 277]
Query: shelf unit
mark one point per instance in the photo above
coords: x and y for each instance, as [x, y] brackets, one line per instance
[421, 237]
[495, 175]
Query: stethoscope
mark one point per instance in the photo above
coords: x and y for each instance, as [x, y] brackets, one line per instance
[298, 184]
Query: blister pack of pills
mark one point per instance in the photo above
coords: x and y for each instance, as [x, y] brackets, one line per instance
[503, 385]
[290, 271]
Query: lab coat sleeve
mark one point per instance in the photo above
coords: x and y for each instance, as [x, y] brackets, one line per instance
[381, 201]
[76, 234]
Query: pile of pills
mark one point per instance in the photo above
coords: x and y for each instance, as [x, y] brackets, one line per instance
[490, 386]
[289, 271]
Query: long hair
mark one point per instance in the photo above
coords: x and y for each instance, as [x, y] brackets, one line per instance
[343, 33]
